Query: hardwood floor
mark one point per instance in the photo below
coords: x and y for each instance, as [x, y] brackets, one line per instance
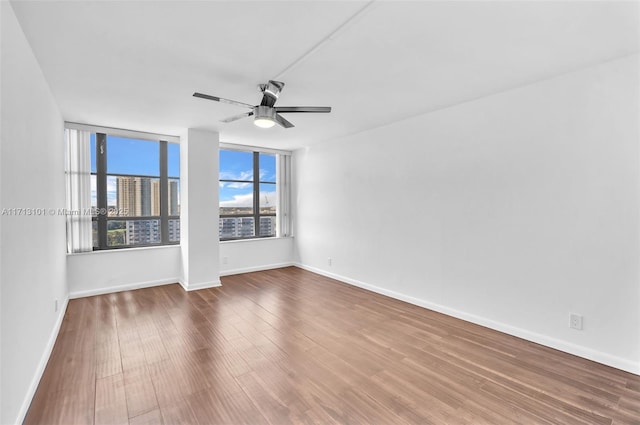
[288, 346]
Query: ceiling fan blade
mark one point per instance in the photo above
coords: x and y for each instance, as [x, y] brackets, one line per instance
[221, 99]
[237, 117]
[283, 122]
[281, 109]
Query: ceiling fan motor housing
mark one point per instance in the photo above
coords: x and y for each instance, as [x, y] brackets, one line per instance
[264, 112]
[265, 116]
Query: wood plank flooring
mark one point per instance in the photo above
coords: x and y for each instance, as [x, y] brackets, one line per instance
[288, 346]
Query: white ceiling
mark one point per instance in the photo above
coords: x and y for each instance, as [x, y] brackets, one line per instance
[136, 64]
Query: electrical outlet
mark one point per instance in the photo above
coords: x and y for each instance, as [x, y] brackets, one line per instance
[575, 321]
[329, 261]
[225, 260]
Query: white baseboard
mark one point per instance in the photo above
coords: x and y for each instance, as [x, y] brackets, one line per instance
[202, 285]
[567, 347]
[255, 268]
[120, 288]
[22, 413]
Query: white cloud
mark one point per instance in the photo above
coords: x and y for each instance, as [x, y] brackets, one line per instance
[230, 175]
[238, 201]
[246, 200]
[242, 175]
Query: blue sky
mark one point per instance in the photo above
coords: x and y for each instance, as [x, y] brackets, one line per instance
[138, 157]
[141, 157]
[132, 156]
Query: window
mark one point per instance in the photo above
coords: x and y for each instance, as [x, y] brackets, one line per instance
[134, 188]
[253, 193]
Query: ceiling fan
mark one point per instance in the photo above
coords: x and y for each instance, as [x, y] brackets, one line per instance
[266, 114]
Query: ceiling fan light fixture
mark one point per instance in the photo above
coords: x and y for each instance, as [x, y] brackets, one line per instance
[264, 122]
[265, 117]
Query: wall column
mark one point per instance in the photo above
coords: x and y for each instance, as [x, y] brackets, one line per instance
[199, 241]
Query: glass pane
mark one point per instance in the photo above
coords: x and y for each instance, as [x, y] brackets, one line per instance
[131, 196]
[236, 198]
[94, 231]
[132, 232]
[268, 198]
[173, 159]
[174, 230]
[92, 142]
[132, 156]
[94, 194]
[267, 226]
[267, 168]
[236, 227]
[116, 233]
[174, 197]
[235, 165]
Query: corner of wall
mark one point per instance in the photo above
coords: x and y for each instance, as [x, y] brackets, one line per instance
[43, 362]
[197, 286]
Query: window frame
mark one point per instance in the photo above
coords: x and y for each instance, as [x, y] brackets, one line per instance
[280, 183]
[101, 176]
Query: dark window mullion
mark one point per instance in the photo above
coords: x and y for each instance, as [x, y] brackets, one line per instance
[101, 183]
[164, 194]
[236, 181]
[133, 175]
[256, 193]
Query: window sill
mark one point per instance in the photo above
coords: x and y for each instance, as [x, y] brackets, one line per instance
[137, 248]
[256, 239]
[143, 248]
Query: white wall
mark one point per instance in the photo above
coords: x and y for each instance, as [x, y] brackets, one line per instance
[255, 254]
[102, 272]
[32, 252]
[511, 211]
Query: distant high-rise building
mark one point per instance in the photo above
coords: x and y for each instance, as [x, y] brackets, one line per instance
[140, 232]
[126, 195]
[236, 227]
[267, 226]
[173, 198]
[243, 227]
[155, 197]
[134, 196]
[174, 230]
[140, 197]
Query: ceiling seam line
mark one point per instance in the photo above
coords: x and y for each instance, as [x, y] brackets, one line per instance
[319, 44]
